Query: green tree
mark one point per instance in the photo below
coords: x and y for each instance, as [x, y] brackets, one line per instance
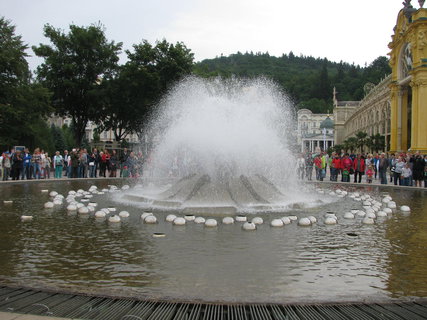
[350, 144]
[96, 137]
[322, 89]
[138, 85]
[361, 138]
[58, 138]
[23, 103]
[67, 132]
[74, 65]
[337, 148]
[378, 142]
[370, 143]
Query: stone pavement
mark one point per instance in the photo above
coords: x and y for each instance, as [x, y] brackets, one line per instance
[18, 316]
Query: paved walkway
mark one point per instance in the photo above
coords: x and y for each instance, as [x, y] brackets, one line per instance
[17, 316]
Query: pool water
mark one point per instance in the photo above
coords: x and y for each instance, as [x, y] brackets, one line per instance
[349, 261]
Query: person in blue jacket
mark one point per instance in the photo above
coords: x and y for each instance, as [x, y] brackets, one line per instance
[27, 170]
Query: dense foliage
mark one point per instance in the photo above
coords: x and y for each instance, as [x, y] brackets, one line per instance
[23, 103]
[309, 81]
[132, 93]
[74, 64]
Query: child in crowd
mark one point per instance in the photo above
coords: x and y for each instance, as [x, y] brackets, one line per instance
[406, 175]
[369, 174]
[345, 175]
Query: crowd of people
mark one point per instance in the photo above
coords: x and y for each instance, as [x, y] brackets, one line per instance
[405, 169]
[78, 163]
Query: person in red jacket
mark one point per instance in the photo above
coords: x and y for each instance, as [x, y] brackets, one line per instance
[346, 165]
[359, 168]
[318, 167]
[335, 167]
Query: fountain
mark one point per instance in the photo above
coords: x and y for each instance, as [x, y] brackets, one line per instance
[223, 218]
[226, 145]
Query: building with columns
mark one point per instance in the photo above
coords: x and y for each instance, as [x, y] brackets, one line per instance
[408, 96]
[315, 131]
[396, 107]
[370, 115]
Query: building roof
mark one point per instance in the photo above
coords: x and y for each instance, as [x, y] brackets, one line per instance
[327, 123]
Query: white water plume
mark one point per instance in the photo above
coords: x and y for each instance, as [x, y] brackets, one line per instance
[223, 128]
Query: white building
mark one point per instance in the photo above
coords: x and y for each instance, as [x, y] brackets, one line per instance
[315, 131]
[104, 136]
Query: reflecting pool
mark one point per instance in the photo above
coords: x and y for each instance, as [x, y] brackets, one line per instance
[349, 261]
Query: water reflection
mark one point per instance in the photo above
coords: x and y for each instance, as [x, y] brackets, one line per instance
[320, 263]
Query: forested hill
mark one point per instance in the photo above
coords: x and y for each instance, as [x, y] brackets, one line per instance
[308, 81]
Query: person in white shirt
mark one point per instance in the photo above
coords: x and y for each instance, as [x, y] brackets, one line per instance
[301, 167]
[58, 163]
[406, 175]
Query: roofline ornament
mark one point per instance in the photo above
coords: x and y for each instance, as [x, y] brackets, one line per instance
[408, 9]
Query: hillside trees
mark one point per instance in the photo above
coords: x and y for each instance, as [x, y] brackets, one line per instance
[308, 81]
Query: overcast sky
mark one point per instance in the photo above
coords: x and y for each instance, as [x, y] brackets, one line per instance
[352, 31]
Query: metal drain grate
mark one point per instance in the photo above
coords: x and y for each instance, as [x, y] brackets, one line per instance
[99, 308]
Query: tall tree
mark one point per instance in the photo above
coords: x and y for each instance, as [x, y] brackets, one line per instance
[22, 102]
[139, 84]
[74, 65]
[361, 137]
[323, 87]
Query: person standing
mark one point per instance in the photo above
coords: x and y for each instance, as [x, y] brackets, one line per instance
[318, 167]
[105, 158]
[7, 164]
[324, 165]
[131, 164]
[392, 164]
[335, 167]
[91, 164]
[58, 163]
[17, 165]
[358, 168]
[400, 164]
[382, 166]
[36, 163]
[309, 166]
[376, 159]
[406, 175]
[48, 165]
[74, 159]
[66, 159]
[114, 161]
[418, 169]
[123, 160]
[346, 165]
[97, 160]
[300, 167]
[82, 163]
[27, 172]
[370, 173]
